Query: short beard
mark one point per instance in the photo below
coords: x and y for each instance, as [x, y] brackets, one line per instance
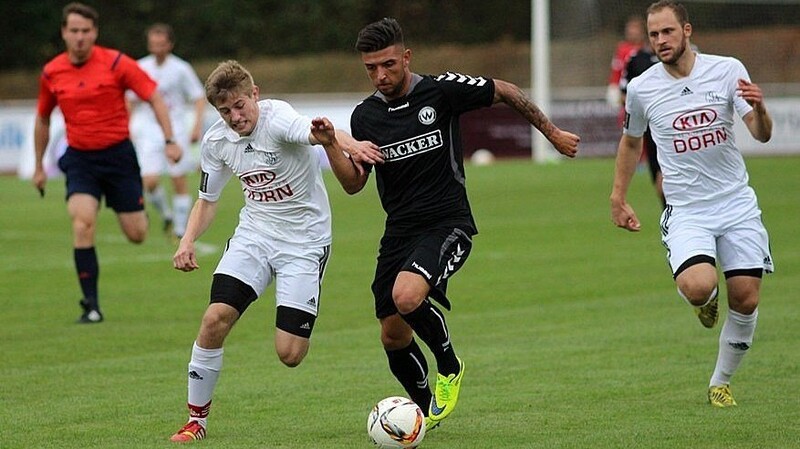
[397, 89]
[676, 54]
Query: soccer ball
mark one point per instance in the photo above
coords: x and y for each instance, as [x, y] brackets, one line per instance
[396, 422]
[482, 156]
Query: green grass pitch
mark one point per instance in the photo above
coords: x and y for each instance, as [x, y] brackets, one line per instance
[571, 329]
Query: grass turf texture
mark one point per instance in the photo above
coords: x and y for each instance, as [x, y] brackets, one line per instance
[571, 329]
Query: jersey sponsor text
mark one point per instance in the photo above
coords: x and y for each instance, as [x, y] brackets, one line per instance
[257, 179]
[700, 142]
[256, 187]
[268, 196]
[413, 146]
[700, 118]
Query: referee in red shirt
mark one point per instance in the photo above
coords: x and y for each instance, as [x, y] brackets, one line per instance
[88, 82]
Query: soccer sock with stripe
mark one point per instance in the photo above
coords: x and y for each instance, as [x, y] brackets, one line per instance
[410, 368]
[429, 324]
[735, 339]
[88, 272]
[204, 368]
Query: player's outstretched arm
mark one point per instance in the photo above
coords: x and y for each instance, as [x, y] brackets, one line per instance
[339, 146]
[565, 142]
[200, 218]
[622, 214]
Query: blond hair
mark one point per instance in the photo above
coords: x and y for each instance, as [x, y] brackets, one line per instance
[228, 80]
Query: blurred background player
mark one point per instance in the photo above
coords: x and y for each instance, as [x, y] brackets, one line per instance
[634, 38]
[640, 61]
[88, 83]
[712, 215]
[179, 85]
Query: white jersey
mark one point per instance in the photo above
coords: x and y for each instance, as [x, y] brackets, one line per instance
[691, 120]
[178, 85]
[285, 197]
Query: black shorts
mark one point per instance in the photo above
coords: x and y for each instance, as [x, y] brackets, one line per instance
[435, 255]
[112, 172]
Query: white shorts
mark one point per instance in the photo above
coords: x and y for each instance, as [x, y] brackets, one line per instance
[730, 231]
[257, 261]
[149, 143]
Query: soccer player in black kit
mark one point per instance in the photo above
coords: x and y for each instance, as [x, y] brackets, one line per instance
[414, 119]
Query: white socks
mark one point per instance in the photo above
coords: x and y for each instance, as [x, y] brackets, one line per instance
[204, 368]
[181, 204]
[158, 198]
[734, 341]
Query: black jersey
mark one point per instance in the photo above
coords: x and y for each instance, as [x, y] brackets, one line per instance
[637, 64]
[421, 183]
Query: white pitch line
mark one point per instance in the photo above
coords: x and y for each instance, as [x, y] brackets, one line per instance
[22, 262]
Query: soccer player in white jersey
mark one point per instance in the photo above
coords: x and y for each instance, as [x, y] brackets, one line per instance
[284, 230]
[179, 85]
[712, 215]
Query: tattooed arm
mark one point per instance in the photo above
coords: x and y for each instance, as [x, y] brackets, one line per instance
[565, 142]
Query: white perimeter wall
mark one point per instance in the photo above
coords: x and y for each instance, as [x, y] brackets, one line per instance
[16, 127]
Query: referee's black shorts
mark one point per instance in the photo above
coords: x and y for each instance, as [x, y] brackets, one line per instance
[112, 172]
[435, 255]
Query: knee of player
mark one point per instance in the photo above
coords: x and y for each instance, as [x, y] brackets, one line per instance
[744, 306]
[84, 227]
[137, 237]
[135, 234]
[406, 300]
[698, 292]
[406, 305]
[214, 328]
[408, 292]
[291, 357]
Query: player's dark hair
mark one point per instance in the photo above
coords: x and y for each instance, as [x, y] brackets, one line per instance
[227, 80]
[162, 28]
[379, 35]
[82, 10]
[678, 9]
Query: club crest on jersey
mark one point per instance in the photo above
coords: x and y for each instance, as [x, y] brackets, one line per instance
[427, 115]
[270, 158]
[413, 146]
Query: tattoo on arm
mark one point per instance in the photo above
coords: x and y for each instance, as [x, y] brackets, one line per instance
[517, 100]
